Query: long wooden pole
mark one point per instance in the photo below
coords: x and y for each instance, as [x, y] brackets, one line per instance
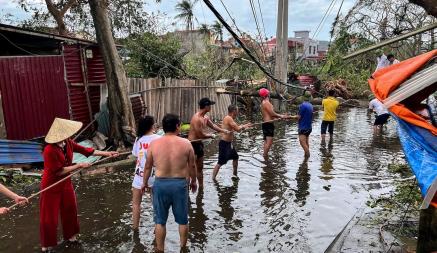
[65, 178]
[390, 41]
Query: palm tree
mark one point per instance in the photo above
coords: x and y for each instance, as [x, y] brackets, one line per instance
[217, 29]
[186, 14]
[204, 28]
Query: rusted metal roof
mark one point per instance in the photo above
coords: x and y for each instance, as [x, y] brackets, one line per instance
[33, 93]
[20, 30]
[20, 152]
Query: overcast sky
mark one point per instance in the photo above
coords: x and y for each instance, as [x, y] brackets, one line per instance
[303, 14]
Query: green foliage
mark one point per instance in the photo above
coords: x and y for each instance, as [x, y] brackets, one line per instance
[214, 64]
[151, 56]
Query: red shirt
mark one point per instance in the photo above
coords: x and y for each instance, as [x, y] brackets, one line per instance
[56, 158]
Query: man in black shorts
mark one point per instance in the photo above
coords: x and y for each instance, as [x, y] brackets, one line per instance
[198, 123]
[226, 149]
[382, 114]
[268, 115]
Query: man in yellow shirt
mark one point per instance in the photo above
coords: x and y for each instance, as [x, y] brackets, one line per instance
[330, 105]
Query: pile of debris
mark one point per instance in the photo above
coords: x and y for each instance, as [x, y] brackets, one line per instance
[339, 86]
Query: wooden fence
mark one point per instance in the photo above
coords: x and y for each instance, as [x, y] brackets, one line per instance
[180, 97]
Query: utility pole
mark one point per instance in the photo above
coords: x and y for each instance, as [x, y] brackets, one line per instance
[281, 60]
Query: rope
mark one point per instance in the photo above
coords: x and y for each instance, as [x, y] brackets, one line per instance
[65, 178]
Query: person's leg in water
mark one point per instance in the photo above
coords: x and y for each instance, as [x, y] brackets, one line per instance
[160, 233]
[199, 168]
[215, 171]
[303, 140]
[267, 145]
[235, 167]
[323, 131]
[136, 207]
[330, 130]
[183, 235]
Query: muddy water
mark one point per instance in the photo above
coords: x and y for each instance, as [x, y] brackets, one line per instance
[285, 204]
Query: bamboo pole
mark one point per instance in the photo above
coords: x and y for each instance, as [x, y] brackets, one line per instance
[65, 178]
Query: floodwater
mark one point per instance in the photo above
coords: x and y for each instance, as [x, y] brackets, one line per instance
[285, 204]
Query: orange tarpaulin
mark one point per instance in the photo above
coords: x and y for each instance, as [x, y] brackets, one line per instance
[390, 78]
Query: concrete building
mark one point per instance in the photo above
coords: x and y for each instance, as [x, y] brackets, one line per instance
[301, 45]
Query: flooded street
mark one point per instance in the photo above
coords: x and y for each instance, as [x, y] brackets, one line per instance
[285, 204]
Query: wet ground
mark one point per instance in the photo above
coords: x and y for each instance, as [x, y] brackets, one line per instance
[285, 204]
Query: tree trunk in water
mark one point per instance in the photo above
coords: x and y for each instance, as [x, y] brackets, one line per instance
[429, 5]
[120, 109]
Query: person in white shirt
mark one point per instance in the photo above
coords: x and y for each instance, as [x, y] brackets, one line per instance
[145, 135]
[385, 61]
[382, 114]
[392, 60]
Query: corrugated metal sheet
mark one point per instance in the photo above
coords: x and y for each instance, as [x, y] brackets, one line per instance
[18, 152]
[78, 104]
[73, 65]
[77, 94]
[137, 106]
[33, 93]
[96, 69]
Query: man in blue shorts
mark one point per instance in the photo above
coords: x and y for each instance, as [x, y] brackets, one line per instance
[305, 117]
[173, 158]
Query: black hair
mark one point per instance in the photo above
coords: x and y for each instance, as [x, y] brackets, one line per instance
[331, 92]
[231, 108]
[170, 122]
[390, 56]
[144, 125]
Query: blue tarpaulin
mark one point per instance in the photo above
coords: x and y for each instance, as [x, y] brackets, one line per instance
[420, 148]
[19, 152]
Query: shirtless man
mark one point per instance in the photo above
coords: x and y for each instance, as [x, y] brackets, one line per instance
[268, 115]
[198, 123]
[226, 150]
[173, 158]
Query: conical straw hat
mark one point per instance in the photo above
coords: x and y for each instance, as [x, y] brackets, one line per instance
[62, 129]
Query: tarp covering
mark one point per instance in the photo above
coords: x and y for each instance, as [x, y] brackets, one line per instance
[420, 148]
[417, 135]
[20, 152]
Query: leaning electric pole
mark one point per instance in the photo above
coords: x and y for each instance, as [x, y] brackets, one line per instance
[281, 45]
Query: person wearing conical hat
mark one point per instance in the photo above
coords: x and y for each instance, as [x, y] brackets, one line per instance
[61, 199]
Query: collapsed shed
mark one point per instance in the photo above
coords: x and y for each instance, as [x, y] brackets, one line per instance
[43, 76]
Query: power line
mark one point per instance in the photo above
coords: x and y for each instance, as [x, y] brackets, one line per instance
[252, 5]
[262, 20]
[249, 53]
[235, 24]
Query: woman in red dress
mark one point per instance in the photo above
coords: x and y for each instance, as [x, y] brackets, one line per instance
[61, 199]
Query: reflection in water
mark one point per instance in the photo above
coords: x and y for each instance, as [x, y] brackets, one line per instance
[226, 195]
[138, 246]
[302, 180]
[327, 159]
[275, 197]
[197, 221]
